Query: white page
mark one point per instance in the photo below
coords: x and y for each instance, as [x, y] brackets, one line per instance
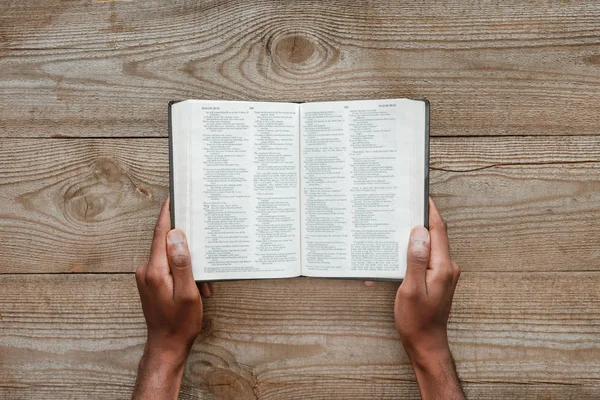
[242, 202]
[362, 177]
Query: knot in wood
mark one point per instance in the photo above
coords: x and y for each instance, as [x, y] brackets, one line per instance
[300, 53]
[96, 196]
[294, 49]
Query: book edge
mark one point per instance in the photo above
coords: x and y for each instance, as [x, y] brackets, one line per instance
[171, 178]
[426, 185]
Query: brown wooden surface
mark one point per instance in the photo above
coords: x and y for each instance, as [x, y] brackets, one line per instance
[515, 168]
[90, 205]
[89, 68]
[513, 334]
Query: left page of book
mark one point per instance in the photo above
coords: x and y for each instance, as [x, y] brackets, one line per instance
[236, 187]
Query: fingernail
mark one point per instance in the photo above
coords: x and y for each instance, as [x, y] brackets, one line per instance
[175, 236]
[420, 234]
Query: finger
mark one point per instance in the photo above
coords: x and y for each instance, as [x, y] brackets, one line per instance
[205, 289]
[455, 273]
[158, 253]
[369, 283]
[440, 252]
[178, 254]
[417, 257]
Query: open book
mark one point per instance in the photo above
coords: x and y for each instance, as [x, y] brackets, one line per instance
[275, 190]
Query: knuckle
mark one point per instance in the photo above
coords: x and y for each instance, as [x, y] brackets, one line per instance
[444, 275]
[414, 292]
[191, 297]
[140, 272]
[457, 269]
[447, 275]
[155, 280]
[419, 255]
[180, 259]
[409, 291]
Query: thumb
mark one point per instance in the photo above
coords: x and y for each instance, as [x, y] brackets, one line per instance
[178, 255]
[417, 258]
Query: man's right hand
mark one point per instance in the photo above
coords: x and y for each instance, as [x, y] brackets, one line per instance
[422, 308]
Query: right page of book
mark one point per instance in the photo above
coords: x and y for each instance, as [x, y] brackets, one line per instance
[363, 172]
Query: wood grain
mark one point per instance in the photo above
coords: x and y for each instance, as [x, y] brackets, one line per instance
[520, 204]
[515, 169]
[512, 204]
[79, 205]
[513, 335]
[108, 68]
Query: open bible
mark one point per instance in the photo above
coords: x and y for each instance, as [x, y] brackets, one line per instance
[275, 190]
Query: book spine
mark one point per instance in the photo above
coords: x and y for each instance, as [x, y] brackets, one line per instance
[172, 198]
[426, 185]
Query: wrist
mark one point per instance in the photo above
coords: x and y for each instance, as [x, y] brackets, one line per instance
[432, 361]
[429, 353]
[435, 371]
[168, 357]
[160, 371]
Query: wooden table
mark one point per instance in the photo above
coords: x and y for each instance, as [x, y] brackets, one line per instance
[515, 167]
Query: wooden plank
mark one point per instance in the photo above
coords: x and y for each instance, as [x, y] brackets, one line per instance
[520, 204]
[528, 203]
[513, 335]
[108, 68]
[79, 205]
